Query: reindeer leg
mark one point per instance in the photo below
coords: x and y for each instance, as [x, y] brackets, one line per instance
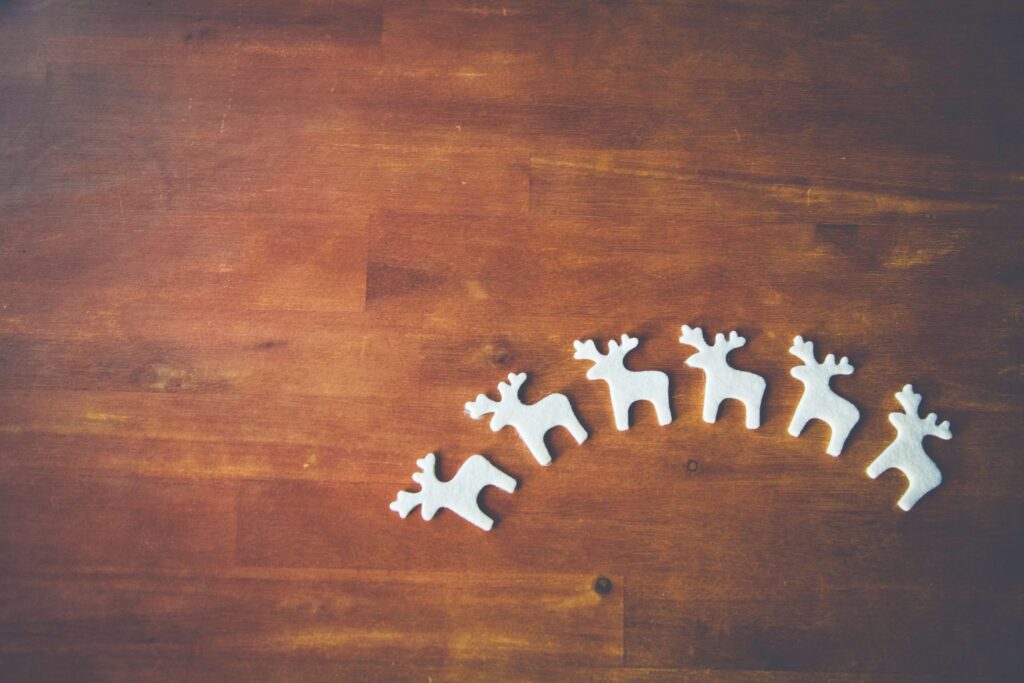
[564, 416]
[880, 464]
[663, 409]
[914, 492]
[753, 412]
[538, 448]
[711, 403]
[799, 421]
[923, 476]
[474, 515]
[838, 438]
[479, 473]
[503, 481]
[621, 412]
[912, 495]
[572, 423]
[845, 423]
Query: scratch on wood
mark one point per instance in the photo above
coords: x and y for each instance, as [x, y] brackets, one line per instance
[234, 70]
[790, 190]
[96, 416]
[120, 205]
[905, 256]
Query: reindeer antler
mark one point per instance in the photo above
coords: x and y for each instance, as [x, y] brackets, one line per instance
[733, 342]
[909, 400]
[804, 350]
[618, 350]
[586, 351]
[940, 430]
[628, 343]
[515, 381]
[406, 502]
[481, 406]
[510, 391]
[484, 405]
[843, 367]
[428, 470]
[693, 336]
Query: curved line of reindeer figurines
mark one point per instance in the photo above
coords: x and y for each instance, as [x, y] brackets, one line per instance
[722, 381]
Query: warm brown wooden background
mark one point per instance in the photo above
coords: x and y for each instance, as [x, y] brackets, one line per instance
[256, 255]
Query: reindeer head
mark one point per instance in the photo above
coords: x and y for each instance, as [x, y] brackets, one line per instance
[406, 502]
[812, 369]
[604, 364]
[911, 419]
[501, 409]
[709, 355]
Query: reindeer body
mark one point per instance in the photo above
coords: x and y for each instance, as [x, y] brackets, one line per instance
[531, 421]
[644, 385]
[906, 453]
[459, 494]
[819, 402]
[840, 415]
[626, 386]
[745, 387]
[722, 381]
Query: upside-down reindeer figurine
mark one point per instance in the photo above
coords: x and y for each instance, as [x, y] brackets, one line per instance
[906, 453]
[459, 494]
[721, 381]
[819, 402]
[626, 386]
[532, 421]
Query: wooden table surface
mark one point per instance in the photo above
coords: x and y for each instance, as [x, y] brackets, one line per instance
[257, 255]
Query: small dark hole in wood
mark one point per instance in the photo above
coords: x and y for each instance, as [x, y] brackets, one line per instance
[603, 585]
[692, 466]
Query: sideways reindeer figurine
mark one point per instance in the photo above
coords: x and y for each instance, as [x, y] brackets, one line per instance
[458, 494]
[906, 453]
[532, 421]
[819, 401]
[626, 386]
[721, 381]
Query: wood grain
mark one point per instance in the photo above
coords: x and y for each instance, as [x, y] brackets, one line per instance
[254, 257]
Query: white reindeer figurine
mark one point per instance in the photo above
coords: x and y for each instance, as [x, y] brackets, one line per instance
[532, 421]
[819, 402]
[458, 494]
[906, 453]
[720, 380]
[626, 386]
